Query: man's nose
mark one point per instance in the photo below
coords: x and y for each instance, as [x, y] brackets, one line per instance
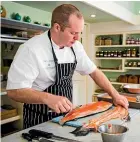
[76, 37]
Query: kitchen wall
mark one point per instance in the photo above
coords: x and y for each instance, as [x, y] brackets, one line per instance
[35, 14]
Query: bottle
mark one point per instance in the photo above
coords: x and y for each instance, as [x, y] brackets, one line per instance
[138, 64]
[128, 53]
[101, 53]
[105, 54]
[119, 53]
[108, 54]
[137, 41]
[128, 40]
[132, 41]
[97, 53]
[116, 54]
[134, 64]
[112, 54]
[124, 53]
[133, 54]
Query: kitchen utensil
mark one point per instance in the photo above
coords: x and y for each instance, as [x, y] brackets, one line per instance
[112, 133]
[29, 137]
[47, 135]
[132, 88]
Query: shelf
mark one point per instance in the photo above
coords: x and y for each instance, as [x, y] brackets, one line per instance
[119, 83]
[21, 25]
[3, 91]
[13, 40]
[131, 45]
[10, 119]
[132, 68]
[108, 58]
[112, 70]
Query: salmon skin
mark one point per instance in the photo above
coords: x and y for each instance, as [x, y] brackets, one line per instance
[86, 110]
[93, 124]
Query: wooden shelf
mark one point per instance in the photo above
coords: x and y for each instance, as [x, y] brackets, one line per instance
[131, 45]
[10, 119]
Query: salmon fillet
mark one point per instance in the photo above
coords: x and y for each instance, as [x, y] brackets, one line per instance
[86, 110]
[93, 124]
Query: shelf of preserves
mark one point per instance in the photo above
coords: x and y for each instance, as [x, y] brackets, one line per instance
[10, 119]
[131, 45]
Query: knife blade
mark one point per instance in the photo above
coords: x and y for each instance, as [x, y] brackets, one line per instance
[47, 135]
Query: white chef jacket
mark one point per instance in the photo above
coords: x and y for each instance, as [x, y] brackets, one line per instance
[33, 65]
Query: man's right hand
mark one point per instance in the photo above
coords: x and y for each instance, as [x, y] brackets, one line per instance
[59, 104]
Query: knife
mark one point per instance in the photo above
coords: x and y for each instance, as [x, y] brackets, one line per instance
[47, 135]
[29, 137]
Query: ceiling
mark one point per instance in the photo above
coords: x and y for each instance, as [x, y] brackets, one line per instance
[86, 10]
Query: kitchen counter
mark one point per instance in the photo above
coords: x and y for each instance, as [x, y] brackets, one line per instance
[133, 134]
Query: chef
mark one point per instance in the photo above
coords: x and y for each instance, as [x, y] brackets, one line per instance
[41, 73]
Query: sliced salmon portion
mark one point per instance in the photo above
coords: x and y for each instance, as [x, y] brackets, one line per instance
[86, 110]
[93, 124]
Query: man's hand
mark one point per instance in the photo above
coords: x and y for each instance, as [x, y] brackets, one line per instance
[121, 100]
[59, 104]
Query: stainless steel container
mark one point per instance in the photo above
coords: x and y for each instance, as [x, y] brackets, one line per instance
[112, 133]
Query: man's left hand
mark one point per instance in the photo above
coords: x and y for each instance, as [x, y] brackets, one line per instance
[121, 100]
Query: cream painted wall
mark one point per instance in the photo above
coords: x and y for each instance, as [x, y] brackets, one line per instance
[110, 27]
[35, 14]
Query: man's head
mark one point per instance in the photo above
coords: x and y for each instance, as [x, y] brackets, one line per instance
[67, 23]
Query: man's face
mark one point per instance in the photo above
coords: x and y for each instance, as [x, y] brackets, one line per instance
[71, 33]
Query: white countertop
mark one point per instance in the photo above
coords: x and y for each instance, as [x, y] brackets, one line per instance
[133, 134]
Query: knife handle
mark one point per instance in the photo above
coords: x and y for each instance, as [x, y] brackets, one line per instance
[40, 133]
[27, 136]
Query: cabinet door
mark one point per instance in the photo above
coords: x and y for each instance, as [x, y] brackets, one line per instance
[79, 92]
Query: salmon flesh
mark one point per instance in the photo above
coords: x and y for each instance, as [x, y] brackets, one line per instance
[86, 110]
[93, 124]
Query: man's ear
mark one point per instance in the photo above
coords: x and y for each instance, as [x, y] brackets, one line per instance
[57, 27]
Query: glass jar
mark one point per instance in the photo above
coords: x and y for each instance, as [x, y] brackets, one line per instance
[115, 53]
[119, 53]
[101, 53]
[134, 64]
[108, 54]
[105, 53]
[133, 54]
[128, 53]
[97, 54]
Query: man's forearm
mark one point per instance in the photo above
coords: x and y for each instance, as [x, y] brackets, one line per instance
[27, 95]
[102, 81]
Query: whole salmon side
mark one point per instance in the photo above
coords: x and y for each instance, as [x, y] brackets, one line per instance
[93, 124]
[86, 110]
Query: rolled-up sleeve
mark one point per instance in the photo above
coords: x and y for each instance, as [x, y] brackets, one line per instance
[23, 70]
[84, 65]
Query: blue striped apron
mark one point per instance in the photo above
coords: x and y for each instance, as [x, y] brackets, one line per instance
[34, 114]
